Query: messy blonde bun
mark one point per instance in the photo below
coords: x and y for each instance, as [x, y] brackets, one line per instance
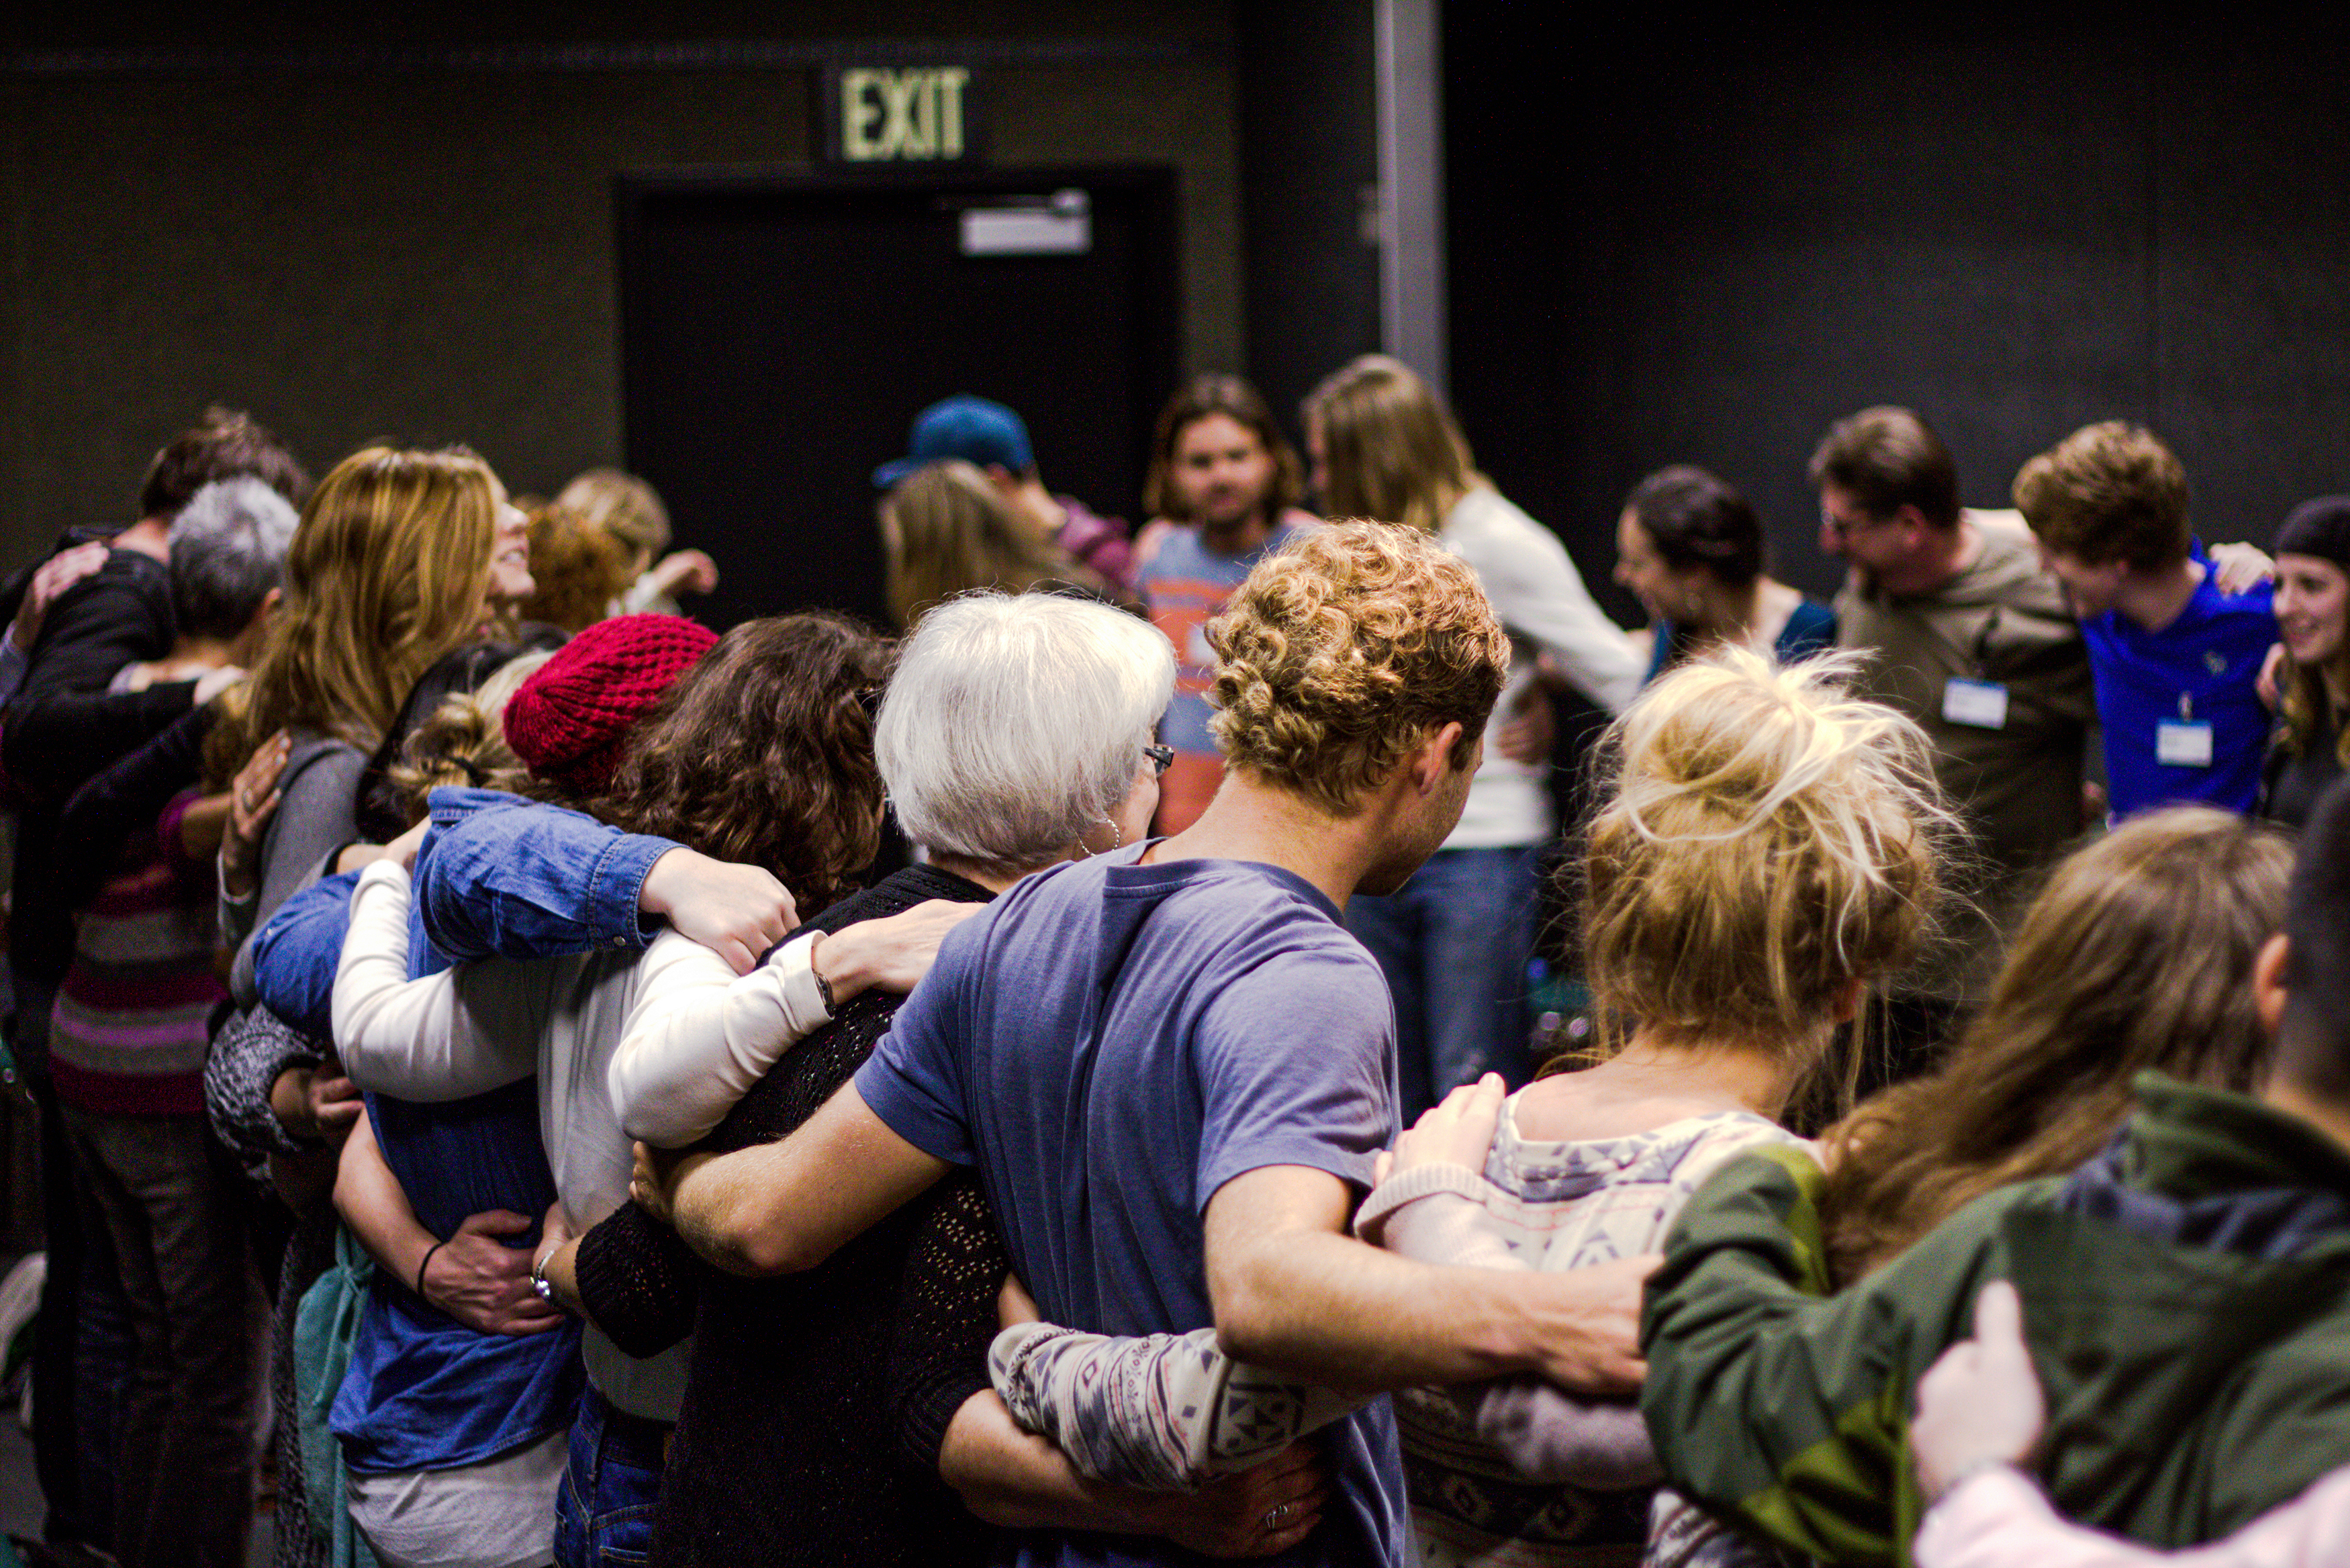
[1768, 839]
[463, 740]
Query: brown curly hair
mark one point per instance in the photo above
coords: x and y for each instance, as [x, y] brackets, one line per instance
[2109, 492]
[1341, 651]
[577, 568]
[461, 741]
[762, 754]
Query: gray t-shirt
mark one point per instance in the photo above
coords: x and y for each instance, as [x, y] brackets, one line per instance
[2016, 785]
[316, 814]
[1110, 1043]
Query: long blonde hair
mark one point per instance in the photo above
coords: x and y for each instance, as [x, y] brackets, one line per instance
[622, 505]
[1768, 840]
[946, 531]
[1390, 447]
[2137, 955]
[2305, 698]
[388, 571]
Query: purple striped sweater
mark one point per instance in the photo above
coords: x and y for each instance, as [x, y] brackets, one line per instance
[133, 1013]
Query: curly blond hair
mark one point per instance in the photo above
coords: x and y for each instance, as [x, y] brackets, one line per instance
[1343, 650]
[463, 740]
[1768, 839]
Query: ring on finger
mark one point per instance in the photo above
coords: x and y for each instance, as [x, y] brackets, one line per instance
[1275, 1515]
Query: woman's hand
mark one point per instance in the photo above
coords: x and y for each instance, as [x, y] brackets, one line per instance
[2239, 567]
[1526, 737]
[252, 800]
[686, 572]
[652, 1181]
[54, 577]
[483, 1283]
[309, 1103]
[403, 850]
[1457, 1130]
[736, 911]
[1980, 1402]
[1256, 1512]
[892, 954]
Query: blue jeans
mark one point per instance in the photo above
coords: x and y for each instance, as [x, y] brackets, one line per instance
[1455, 942]
[605, 1512]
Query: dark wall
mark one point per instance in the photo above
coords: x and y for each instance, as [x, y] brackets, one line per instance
[398, 222]
[1702, 243]
[1310, 151]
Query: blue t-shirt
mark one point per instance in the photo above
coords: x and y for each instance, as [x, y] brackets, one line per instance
[424, 1392]
[2201, 669]
[1110, 1043]
[1811, 628]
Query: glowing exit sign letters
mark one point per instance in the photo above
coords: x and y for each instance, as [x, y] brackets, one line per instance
[911, 114]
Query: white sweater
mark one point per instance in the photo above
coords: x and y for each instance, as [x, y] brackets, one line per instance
[600, 1032]
[1542, 602]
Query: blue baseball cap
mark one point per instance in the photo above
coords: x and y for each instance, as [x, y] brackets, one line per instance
[972, 429]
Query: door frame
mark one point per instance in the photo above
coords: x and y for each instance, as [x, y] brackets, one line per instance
[1158, 330]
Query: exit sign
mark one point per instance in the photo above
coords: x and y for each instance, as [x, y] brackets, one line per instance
[899, 114]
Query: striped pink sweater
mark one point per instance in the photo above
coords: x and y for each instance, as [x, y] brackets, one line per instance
[134, 1012]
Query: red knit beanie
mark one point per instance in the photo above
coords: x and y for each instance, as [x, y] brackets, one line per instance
[570, 722]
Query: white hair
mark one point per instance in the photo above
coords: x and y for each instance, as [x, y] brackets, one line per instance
[1015, 722]
[227, 551]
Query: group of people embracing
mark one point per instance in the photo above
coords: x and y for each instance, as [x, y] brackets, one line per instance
[665, 1193]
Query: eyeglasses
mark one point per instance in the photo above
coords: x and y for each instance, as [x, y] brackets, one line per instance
[1845, 529]
[1162, 757]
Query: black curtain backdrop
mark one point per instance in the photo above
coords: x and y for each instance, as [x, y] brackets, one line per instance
[1675, 238]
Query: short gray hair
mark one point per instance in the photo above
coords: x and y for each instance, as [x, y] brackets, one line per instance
[1015, 723]
[228, 550]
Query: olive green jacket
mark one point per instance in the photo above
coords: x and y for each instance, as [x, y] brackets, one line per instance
[2185, 1299]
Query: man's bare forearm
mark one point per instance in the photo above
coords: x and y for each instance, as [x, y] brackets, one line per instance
[783, 1208]
[1293, 1293]
[1332, 1311]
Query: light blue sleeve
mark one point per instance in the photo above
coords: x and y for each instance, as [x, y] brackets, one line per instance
[501, 877]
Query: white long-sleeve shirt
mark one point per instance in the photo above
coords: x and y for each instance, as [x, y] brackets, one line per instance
[571, 1020]
[1541, 601]
[1996, 1519]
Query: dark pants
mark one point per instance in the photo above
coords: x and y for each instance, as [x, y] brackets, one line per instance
[604, 1514]
[81, 1340]
[1454, 942]
[184, 1484]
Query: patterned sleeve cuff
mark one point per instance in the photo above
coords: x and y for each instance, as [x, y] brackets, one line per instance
[1406, 1187]
[246, 1058]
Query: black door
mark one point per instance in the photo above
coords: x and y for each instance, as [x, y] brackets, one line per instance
[779, 333]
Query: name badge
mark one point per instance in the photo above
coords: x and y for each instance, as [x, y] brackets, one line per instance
[2178, 745]
[1980, 705]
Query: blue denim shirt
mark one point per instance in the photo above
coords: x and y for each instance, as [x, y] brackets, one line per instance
[502, 876]
[499, 876]
[509, 879]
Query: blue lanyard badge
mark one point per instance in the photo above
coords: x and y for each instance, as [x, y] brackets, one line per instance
[2183, 741]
